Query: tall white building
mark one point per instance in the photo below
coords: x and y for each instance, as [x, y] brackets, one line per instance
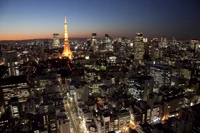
[56, 41]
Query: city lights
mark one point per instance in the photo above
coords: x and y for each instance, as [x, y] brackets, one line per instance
[113, 71]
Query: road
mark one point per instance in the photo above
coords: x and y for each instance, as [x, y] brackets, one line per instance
[74, 125]
[77, 123]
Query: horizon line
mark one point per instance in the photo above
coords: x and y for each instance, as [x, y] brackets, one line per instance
[41, 38]
[85, 38]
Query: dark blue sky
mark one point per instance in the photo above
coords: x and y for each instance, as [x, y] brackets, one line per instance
[21, 19]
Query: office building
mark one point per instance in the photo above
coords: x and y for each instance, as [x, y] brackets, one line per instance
[16, 86]
[108, 43]
[124, 120]
[139, 47]
[56, 41]
[190, 116]
[161, 74]
[163, 42]
[12, 62]
[140, 87]
[63, 124]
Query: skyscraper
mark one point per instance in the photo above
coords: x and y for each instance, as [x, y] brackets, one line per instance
[67, 52]
[108, 43]
[11, 61]
[139, 47]
[56, 40]
[163, 42]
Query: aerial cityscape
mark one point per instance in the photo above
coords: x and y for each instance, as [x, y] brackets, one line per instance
[109, 66]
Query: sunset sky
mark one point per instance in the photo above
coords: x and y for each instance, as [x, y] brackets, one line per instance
[28, 19]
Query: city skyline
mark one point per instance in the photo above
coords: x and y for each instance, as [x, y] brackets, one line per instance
[109, 66]
[40, 19]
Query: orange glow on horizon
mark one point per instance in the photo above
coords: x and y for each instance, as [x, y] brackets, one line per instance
[27, 37]
[73, 34]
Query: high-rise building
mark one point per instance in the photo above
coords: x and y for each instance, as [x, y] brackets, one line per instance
[93, 42]
[63, 124]
[161, 74]
[158, 52]
[124, 120]
[67, 52]
[56, 41]
[145, 40]
[140, 87]
[191, 119]
[163, 42]
[106, 122]
[195, 45]
[174, 41]
[139, 47]
[108, 43]
[94, 39]
[11, 61]
[13, 87]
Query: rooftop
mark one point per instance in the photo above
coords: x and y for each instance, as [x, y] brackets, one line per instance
[13, 80]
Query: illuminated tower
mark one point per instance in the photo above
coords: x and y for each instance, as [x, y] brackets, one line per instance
[67, 52]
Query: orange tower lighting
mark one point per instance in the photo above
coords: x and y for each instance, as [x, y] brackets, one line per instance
[67, 52]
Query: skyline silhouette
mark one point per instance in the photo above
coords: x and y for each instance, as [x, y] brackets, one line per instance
[41, 18]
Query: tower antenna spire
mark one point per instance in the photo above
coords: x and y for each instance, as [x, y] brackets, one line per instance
[65, 18]
[67, 52]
